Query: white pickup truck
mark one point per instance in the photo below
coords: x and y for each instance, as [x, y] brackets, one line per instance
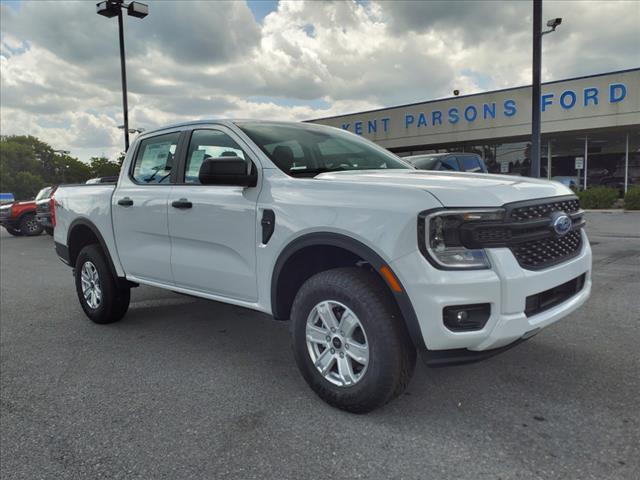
[371, 260]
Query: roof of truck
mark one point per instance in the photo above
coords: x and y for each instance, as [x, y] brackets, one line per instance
[221, 121]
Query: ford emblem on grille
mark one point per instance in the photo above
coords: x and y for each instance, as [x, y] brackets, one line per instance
[561, 223]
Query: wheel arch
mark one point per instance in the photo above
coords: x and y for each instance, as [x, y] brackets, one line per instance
[286, 279]
[83, 232]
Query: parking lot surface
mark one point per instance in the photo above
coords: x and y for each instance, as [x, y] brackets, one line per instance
[185, 388]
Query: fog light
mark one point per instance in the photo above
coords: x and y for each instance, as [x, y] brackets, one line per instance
[463, 318]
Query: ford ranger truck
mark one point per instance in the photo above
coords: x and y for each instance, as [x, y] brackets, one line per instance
[370, 260]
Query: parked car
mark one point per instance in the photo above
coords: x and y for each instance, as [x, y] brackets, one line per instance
[19, 218]
[455, 162]
[616, 179]
[45, 212]
[371, 260]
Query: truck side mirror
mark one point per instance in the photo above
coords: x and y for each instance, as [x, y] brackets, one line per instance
[227, 171]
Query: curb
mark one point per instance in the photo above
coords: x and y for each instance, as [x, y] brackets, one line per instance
[617, 210]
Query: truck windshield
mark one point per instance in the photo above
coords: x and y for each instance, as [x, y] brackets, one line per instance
[305, 150]
[44, 193]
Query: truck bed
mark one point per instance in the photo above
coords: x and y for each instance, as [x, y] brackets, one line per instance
[90, 202]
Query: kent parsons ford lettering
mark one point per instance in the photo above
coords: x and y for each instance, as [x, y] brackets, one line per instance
[567, 100]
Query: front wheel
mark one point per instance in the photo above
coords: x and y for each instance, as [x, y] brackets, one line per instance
[102, 299]
[29, 226]
[349, 340]
[14, 231]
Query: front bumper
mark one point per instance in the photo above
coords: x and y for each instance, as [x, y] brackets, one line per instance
[44, 219]
[505, 287]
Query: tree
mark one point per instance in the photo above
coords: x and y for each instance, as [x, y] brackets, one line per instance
[103, 167]
[26, 185]
[28, 164]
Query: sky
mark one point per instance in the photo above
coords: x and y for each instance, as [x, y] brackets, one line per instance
[60, 70]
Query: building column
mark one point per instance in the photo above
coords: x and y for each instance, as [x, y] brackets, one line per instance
[548, 159]
[626, 165]
[586, 159]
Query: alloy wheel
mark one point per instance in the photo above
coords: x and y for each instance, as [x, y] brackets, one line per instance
[337, 343]
[91, 288]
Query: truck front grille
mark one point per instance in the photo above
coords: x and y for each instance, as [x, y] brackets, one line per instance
[542, 210]
[544, 253]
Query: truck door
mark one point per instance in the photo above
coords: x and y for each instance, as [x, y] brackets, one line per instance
[213, 227]
[139, 207]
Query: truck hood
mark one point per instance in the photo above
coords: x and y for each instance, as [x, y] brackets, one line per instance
[456, 189]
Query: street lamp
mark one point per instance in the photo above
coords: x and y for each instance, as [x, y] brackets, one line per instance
[535, 84]
[110, 9]
[64, 168]
[132, 130]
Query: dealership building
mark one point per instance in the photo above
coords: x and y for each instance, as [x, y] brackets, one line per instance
[589, 124]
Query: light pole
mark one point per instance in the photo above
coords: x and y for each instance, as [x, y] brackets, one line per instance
[535, 83]
[110, 9]
[63, 153]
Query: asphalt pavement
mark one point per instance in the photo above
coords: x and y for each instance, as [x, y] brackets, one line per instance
[184, 388]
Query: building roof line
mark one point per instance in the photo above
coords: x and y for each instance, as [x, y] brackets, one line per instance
[472, 94]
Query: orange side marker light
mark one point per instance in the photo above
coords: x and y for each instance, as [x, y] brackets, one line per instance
[391, 279]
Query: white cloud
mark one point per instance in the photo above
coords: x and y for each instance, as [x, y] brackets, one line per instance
[60, 80]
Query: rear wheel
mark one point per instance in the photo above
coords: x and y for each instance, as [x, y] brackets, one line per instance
[29, 226]
[49, 230]
[102, 299]
[349, 340]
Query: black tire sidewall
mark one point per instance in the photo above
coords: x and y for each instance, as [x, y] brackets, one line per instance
[377, 316]
[114, 301]
[14, 231]
[23, 226]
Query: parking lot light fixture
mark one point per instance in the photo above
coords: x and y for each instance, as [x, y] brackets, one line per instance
[110, 9]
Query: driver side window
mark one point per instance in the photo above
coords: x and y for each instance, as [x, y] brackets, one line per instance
[206, 144]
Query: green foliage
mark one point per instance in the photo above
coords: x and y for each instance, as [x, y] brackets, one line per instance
[598, 197]
[103, 167]
[632, 199]
[28, 164]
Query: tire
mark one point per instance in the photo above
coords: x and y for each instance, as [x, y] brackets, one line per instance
[49, 230]
[109, 302]
[29, 226]
[14, 231]
[380, 336]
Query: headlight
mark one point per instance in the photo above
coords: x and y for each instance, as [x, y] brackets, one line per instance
[442, 242]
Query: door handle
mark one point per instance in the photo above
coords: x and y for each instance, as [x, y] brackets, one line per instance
[182, 203]
[125, 202]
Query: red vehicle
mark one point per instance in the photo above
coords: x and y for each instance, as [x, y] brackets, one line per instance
[19, 218]
[45, 210]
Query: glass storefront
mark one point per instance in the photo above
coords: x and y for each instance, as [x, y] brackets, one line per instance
[602, 154]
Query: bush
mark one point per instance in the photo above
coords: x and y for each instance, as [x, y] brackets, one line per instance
[632, 199]
[598, 197]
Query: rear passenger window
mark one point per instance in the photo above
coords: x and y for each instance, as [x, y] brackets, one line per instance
[207, 144]
[155, 159]
[471, 164]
